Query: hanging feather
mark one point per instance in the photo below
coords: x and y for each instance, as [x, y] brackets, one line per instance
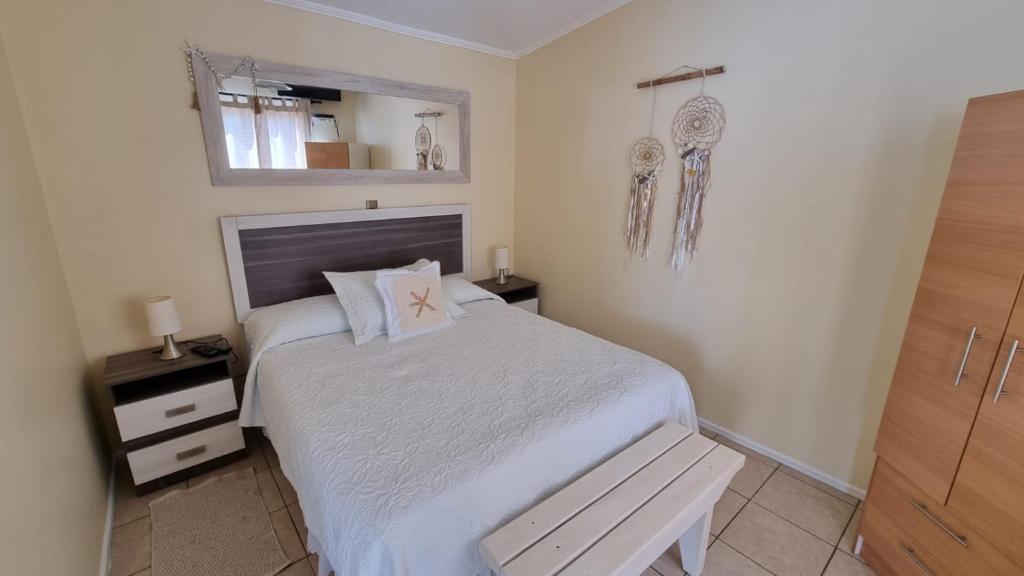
[693, 187]
[697, 127]
[646, 158]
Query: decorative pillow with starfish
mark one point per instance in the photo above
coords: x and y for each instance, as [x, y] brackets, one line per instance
[413, 301]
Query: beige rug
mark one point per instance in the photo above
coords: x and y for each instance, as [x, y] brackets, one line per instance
[219, 528]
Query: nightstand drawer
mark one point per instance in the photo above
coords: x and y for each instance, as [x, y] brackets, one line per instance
[531, 305]
[145, 417]
[185, 451]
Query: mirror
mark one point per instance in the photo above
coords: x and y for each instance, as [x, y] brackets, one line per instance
[295, 125]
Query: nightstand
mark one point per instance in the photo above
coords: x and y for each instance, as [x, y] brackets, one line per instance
[176, 418]
[518, 292]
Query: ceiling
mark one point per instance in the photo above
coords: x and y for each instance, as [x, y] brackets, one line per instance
[508, 28]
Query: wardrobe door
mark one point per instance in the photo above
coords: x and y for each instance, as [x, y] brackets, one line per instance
[968, 286]
[989, 488]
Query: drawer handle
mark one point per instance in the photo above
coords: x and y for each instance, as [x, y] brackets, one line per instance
[913, 556]
[185, 454]
[960, 538]
[1006, 370]
[967, 352]
[180, 410]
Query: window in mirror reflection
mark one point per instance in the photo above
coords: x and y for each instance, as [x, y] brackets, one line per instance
[302, 127]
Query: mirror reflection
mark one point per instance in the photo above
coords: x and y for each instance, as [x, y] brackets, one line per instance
[291, 126]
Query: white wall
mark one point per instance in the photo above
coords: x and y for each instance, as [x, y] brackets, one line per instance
[54, 472]
[842, 119]
[133, 210]
[389, 125]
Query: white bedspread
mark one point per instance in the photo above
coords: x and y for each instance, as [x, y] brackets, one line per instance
[405, 455]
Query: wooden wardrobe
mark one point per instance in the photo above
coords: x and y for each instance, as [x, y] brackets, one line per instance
[947, 494]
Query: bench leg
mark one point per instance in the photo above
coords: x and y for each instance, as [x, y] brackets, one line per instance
[693, 546]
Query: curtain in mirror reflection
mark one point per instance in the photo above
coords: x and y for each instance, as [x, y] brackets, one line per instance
[274, 138]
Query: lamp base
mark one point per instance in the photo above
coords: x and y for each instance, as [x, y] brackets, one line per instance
[170, 351]
[502, 276]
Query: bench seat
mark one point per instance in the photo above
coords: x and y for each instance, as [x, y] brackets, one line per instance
[621, 516]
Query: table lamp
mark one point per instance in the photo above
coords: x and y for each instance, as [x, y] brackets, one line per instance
[163, 321]
[501, 263]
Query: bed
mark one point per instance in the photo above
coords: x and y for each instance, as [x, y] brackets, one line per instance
[405, 455]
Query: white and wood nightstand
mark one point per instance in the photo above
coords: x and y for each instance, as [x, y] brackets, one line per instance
[519, 292]
[176, 418]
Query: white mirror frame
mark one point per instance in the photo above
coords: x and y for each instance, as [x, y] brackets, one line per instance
[222, 174]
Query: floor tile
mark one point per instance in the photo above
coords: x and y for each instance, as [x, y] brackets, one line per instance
[269, 491]
[776, 544]
[848, 498]
[746, 451]
[287, 535]
[268, 452]
[297, 569]
[809, 508]
[849, 539]
[649, 572]
[287, 491]
[753, 474]
[725, 510]
[843, 564]
[128, 506]
[725, 561]
[669, 563]
[300, 522]
[130, 549]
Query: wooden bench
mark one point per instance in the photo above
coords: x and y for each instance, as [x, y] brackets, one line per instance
[621, 516]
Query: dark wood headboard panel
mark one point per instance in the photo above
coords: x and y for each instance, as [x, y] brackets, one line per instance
[281, 257]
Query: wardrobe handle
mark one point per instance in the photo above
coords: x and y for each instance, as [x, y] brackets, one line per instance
[960, 538]
[967, 352]
[913, 556]
[1006, 370]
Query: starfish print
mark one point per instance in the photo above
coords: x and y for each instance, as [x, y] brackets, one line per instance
[421, 301]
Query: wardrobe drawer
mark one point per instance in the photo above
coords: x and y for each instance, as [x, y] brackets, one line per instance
[145, 417]
[185, 451]
[943, 536]
[891, 551]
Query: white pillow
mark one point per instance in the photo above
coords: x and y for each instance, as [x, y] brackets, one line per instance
[459, 291]
[363, 305]
[277, 324]
[414, 301]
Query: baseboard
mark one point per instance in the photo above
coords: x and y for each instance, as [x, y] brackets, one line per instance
[108, 525]
[832, 481]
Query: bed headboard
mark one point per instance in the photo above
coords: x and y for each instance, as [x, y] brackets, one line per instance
[275, 258]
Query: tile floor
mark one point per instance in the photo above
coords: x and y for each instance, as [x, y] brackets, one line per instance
[772, 520]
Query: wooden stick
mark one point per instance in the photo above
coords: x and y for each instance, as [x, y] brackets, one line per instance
[679, 78]
[428, 114]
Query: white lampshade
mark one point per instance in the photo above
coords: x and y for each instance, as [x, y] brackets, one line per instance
[162, 316]
[501, 257]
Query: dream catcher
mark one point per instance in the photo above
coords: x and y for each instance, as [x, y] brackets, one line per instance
[422, 145]
[646, 158]
[697, 127]
[438, 155]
